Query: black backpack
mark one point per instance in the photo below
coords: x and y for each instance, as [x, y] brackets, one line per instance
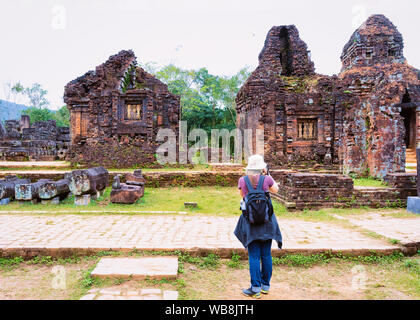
[257, 203]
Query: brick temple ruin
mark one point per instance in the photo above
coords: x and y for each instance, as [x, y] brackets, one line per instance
[361, 121]
[41, 141]
[116, 112]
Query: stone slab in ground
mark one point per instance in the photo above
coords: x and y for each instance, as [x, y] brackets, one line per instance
[137, 268]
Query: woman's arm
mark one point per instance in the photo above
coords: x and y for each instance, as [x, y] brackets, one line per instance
[274, 188]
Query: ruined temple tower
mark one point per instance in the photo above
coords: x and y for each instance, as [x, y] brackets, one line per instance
[296, 108]
[361, 121]
[381, 121]
[116, 112]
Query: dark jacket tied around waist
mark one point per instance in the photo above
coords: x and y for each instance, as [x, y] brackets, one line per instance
[247, 232]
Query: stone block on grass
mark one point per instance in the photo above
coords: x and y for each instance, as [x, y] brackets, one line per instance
[137, 268]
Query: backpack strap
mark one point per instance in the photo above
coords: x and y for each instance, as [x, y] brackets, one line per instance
[251, 188]
[261, 183]
[248, 184]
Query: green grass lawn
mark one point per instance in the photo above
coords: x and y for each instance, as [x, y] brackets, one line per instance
[223, 201]
[210, 200]
[370, 182]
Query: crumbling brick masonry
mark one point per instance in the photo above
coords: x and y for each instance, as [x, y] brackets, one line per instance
[361, 121]
[20, 141]
[116, 112]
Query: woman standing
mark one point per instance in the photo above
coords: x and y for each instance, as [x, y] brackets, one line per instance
[257, 238]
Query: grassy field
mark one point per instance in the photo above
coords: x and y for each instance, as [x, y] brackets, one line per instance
[223, 201]
[211, 200]
[319, 277]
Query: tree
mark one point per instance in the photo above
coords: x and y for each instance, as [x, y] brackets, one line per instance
[18, 88]
[38, 114]
[36, 96]
[12, 92]
[207, 101]
[61, 116]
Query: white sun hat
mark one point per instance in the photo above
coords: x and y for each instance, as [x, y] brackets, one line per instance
[256, 162]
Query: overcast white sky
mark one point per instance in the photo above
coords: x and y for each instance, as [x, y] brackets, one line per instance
[54, 41]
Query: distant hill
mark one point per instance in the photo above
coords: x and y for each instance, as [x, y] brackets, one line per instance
[10, 110]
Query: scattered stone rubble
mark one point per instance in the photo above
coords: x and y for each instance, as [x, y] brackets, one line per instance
[129, 192]
[83, 184]
[29, 191]
[7, 188]
[87, 183]
[44, 141]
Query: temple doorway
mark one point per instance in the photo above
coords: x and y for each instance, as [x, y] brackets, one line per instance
[409, 116]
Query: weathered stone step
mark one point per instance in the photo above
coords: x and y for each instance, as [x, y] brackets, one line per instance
[137, 268]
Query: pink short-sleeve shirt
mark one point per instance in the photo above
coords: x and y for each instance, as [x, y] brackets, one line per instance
[268, 183]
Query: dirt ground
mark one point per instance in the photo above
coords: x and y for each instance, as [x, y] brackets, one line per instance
[328, 282]
[333, 281]
[35, 282]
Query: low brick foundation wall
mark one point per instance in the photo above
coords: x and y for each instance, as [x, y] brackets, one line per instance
[405, 183]
[308, 190]
[402, 180]
[298, 191]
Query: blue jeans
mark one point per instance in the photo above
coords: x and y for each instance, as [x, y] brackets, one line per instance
[260, 264]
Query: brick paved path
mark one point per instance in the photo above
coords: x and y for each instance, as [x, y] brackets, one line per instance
[179, 232]
[406, 230]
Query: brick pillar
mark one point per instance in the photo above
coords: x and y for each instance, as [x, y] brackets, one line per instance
[418, 127]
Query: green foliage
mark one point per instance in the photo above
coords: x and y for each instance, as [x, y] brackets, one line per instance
[61, 116]
[412, 265]
[35, 94]
[212, 261]
[38, 114]
[46, 260]
[128, 79]
[38, 104]
[306, 261]
[10, 263]
[300, 260]
[207, 101]
[88, 281]
[370, 182]
[234, 262]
